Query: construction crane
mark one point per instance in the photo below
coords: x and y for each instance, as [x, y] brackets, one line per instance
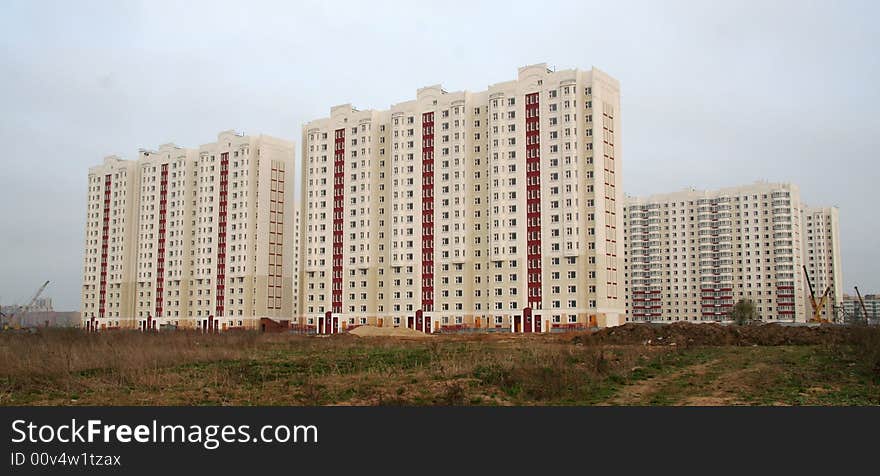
[862, 303]
[14, 320]
[819, 304]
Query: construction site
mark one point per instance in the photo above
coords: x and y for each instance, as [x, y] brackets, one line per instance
[633, 364]
[823, 311]
[406, 235]
[536, 281]
[832, 357]
[36, 312]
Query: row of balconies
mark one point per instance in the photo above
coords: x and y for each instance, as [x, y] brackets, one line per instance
[716, 263]
[645, 259]
[715, 239]
[721, 223]
[717, 279]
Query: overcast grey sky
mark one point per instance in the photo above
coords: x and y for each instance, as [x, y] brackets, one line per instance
[714, 94]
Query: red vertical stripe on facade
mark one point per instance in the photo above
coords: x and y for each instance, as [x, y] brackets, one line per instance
[220, 298]
[338, 217]
[105, 238]
[276, 237]
[533, 199]
[428, 212]
[160, 255]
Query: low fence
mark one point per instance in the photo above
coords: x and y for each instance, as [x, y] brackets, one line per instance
[303, 329]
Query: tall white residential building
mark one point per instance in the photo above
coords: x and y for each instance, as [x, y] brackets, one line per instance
[295, 277]
[245, 222]
[691, 255]
[821, 244]
[501, 208]
[852, 308]
[108, 289]
[206, 237]
[166, 185]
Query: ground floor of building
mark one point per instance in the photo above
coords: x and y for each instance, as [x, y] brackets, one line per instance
[526, 321]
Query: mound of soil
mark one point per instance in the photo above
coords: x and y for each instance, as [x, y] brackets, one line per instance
[686, 333]
[373, 331]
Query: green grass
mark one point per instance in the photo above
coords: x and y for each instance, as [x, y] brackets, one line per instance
[456, 371]
[784, 375]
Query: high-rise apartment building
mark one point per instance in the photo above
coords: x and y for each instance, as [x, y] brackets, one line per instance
[499, 209]
[853, 312]
[164, 221]
[297, 251]
[691, 255]
[822, 257]
[201, 238]
[108, 289]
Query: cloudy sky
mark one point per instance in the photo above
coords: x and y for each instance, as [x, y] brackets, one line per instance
[714, 94]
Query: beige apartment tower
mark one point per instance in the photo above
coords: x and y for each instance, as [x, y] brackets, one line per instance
[822, 258]
[195, 238]
[691, 255]
[108, 289]
[500, 209]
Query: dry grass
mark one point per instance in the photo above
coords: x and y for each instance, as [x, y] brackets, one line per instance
[866, 347]
[69, 367]
[58, 359]
[184, 368]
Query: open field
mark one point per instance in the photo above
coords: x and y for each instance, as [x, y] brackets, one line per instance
[632, 365]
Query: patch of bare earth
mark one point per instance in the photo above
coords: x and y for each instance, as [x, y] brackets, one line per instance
[708, 401]
[373, 331]
[640, 393]
[719, 382]
[729, 386]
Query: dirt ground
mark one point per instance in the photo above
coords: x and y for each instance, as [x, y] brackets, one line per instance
[677, 364]
[639, 392]
[688, 334]
[373, 331]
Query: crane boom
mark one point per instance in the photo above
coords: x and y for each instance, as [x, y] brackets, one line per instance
[15, 319]
[817, 304]
[809, 283]
[862, 303]
[823, 301]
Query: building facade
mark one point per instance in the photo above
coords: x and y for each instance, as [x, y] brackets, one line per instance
[822, 257]
[166, 182]
[852, 308]
[200, 238]
[496, 209]
[691, 255]
[108, 289]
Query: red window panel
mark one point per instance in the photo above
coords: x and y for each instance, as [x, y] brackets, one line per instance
[160, 254]
[338, 213]
[428, 212]
[533, 199]
[220, 296]
[105, 238]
